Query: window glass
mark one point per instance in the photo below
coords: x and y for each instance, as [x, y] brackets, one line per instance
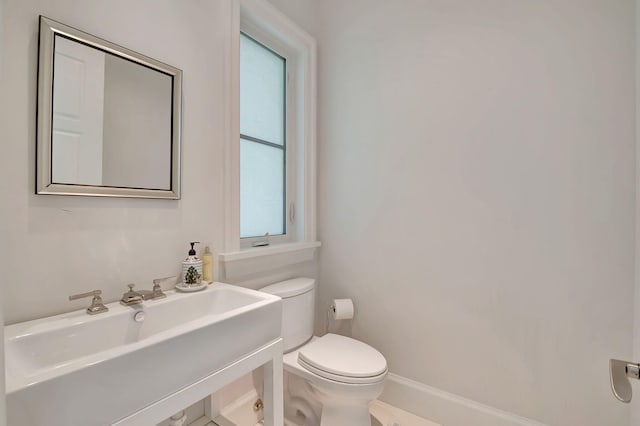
[261, 92]
[262, 140]
[261, 189]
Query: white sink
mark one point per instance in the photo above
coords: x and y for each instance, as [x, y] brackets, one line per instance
[74, 369]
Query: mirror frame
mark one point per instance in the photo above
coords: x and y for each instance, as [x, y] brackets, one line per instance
[44, 185]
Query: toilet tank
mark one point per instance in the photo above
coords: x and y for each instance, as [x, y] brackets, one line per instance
[298, 303]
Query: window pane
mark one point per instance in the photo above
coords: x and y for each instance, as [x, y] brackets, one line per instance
[261, 92]
[261, 189]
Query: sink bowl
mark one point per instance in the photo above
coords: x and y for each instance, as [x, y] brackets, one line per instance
[94, 370]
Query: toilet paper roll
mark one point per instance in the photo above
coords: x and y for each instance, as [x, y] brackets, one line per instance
[342, 309]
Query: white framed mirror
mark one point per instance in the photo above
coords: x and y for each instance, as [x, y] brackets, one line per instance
[109, 119]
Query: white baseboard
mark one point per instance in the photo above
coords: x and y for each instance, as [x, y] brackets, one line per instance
[445, 408]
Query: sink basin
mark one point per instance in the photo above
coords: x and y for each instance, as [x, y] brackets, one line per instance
[94, 370]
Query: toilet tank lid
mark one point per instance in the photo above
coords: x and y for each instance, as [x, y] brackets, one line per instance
[290, 288]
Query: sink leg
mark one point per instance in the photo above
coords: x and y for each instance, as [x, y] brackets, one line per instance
[273, 391]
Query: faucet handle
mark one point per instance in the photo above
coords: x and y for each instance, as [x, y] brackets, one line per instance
[158, 281]
[96, 303]
[157, 292]
[94, 293]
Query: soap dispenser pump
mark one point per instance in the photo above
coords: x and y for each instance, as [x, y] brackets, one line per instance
[192, 267]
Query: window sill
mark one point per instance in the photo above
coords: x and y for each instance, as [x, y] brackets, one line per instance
[243, 263]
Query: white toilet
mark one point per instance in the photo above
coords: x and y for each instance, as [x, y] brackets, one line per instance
[329, 380]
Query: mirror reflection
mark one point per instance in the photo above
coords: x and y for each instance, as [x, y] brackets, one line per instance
[111, 120]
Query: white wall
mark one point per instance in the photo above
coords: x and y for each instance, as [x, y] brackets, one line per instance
[56, 245]
[477, 194]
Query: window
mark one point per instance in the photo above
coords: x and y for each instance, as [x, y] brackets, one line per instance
[270, 154]
[263, 142]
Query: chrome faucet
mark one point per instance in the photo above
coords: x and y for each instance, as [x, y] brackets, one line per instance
[156, 292]
[97, 306]
[131, 297]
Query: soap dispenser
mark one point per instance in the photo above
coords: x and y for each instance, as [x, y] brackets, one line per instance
[192, 267]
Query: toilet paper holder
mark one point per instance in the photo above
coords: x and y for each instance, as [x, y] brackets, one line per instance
[340, 309]
[620, 372]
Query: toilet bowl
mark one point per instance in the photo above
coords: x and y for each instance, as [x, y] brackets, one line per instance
[329, 380]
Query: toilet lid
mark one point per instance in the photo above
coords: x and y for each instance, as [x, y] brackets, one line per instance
[343, 359]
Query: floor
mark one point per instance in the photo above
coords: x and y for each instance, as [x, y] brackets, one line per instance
[388, 415]
[381, 415]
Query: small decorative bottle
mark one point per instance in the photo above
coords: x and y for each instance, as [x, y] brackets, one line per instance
[207, 265]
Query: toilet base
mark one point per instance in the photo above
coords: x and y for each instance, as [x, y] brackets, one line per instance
[346, 406]
[312, 400]
[312, 403]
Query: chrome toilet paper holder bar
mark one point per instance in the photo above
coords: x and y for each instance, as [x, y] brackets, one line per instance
[620, 372]
[331, 309]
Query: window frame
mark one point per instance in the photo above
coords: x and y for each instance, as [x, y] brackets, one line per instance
[290, 142]
[237, 262]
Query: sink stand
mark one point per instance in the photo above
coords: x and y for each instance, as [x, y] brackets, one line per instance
[269, 356]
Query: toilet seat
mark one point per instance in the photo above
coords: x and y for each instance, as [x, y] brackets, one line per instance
[343, 359]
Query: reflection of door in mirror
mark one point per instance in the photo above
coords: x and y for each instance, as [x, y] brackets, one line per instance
[111, 120]
[78, 101]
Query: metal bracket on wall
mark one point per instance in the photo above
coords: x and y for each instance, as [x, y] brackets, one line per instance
[620, 373]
